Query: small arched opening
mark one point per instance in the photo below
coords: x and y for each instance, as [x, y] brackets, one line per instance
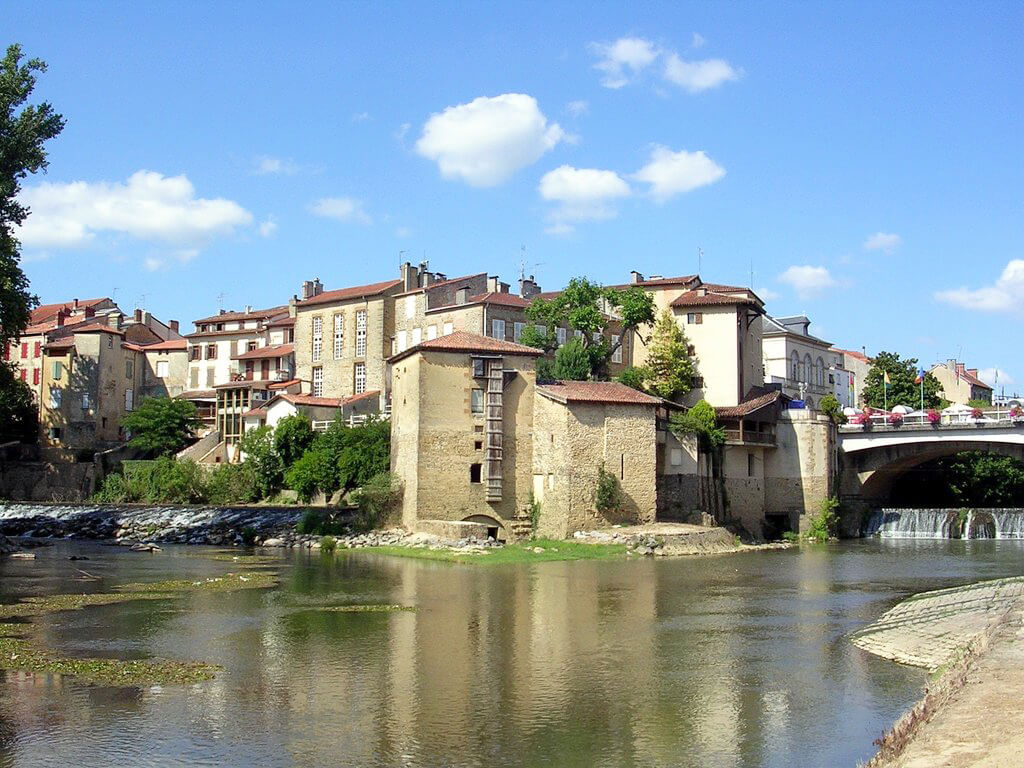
[495, 530]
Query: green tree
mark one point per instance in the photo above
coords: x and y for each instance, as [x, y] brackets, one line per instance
[342, 458]
[971, 479]
[902, 389]
[831, 407]
[634, 376]
[161, 425]
[670, 367]
[701, 421]
[24, 130]
[292, 437]
[572, 362]
[585, 306]
[262, 459]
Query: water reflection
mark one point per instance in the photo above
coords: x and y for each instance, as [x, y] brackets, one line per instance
[730, 661]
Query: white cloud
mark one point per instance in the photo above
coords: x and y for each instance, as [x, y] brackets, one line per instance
[152, 263]
[807, 280]
[149, 206]
[360, 117]
[403, 232]
[268, 227]
[697, 76]
[400, 133]
[767, 294]
[342, 209]
[577, 108]
[268, 165]
[995, 376]
[1005, 295]
[672, 173]
[624, 60]
[883, 241]
[697, 41]
[582, 194]
[626, 56]
[487, 140]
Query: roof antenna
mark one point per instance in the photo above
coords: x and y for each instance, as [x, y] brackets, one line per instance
[700, 259]
[220, 300]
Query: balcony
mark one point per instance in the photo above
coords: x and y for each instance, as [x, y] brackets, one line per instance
[749, 437]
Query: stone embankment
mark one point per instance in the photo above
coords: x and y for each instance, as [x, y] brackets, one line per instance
[670, 539]
[970, 714]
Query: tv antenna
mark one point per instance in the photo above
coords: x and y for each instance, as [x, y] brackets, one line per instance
[700, 260]
[220, 300]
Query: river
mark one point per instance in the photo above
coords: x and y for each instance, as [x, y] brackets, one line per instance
[736, 660]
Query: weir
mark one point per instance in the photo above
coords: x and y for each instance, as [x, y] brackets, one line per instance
[946, 524]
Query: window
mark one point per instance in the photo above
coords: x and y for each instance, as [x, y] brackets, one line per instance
[431, 332]
[55, 433]
[697, 382]
[35, 376]
[318, 382]
[24, 350]
[193, 378]
[318, 338]
[401, 342]
[542, 330]
[694, 318]
[617, 354]
[209, 377]
[808, 370]
[478, 368]
[560, 335]
[361, 333]
[110, 342]
[359, 374]
[820, 364]
[129, 399]
[85, 401]
[475, 473]
[596, 337]
[38, 349]
[249, 347]
[194, 353]
[577, 334]
[211, 351]
[162, 367]
[339, 336]
[129, 369]
[476, 402]
[410, 306]
[24, 373]
[517, 331]
[478, 445]
[417, 336]
[794, 364]
[498, 329]
[676, 457]
[448, 328]
[58, 369]
[751, 470]
[55, 397]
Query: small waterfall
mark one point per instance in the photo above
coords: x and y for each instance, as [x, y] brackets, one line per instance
[945, 524]
[911, 524]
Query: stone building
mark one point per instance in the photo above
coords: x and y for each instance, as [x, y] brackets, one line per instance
[961, 384]
[805, 366]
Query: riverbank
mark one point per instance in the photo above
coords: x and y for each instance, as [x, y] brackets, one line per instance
[971, 638]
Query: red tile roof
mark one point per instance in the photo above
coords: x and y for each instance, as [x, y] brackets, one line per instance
[261, 412]
[197, 394]
[165, 346]
[256, 314]
[345, 294]
[284, 321]
[212, 334]
[361, 396]
[260, 353]
[63, 345]
[695, 298]
[45, 312]
[611, 392]
[131, 346]
[93, 327]
[441, 283]
[284, 384]
[461, 341]
[660, 282]
[756, 399]
[855, 355]
[501, 299]
[319, 402]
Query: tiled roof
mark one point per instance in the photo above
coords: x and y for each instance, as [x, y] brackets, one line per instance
[131, 346]
[214, 334]
[361, 396]
[45, 312]
[855, 355]
[165, 346]
[661, 282]
[442, 283]
[63, 345]
[284, 321]
[756, 399]
[973, 379]
[243, 382]
[502, 299]
[695, 298]
[596, 392]
[260, 353]
[284, 384]
[197, 394]
[93, 327]
[256, 314]
[261, 412]
[345, 294]
[461, 341]
[319, 402]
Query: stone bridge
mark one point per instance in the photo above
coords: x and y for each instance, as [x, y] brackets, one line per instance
[870, 460]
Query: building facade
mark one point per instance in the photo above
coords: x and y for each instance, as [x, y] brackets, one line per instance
[961, 384]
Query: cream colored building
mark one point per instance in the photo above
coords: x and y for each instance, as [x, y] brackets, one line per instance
[961, 384]
[805, 366]
[858, 364]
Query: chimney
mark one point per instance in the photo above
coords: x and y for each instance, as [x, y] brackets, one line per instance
[425, 278]
[462, 296]
[90, 312]
[528, 287]
[973, 372]
[61, 314]
[76, 304]
[702, 291]
[138, 315]
[114, 320]
[410, 277]
[307, 289]
[173, 325]
[635, 277]
[493, 284]
[960, 368]
[318, 287]
[248, 309]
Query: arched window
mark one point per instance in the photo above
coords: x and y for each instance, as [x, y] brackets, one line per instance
[808, 370]
[821, 372]
[795, 365]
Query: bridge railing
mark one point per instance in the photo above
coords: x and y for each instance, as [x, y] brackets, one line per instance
[990, 417]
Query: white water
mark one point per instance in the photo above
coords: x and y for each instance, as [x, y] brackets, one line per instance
[941, 523]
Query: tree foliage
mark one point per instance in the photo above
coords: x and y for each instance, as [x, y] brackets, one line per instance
[292, 436]
[262, 459]
[161, 425]
[670, 368]
[607, 493]
[831, 407]
[902, 389]
[24, 130]
[572, 362]
[972, 479]
[585, 306]
[17, 409]
[701, 421]
[342, 458]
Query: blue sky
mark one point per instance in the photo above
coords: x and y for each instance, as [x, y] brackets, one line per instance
[864, 160]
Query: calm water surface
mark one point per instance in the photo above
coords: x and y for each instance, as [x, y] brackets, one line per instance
[739, 660]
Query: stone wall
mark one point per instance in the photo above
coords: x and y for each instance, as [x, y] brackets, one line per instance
[47, 481]
[799, 473]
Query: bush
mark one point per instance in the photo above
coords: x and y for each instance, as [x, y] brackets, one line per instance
[825, 524]
[374, 500]
[633, 376]
[607, 494]
[342, 458]
[262, 461]
[232, 484]
[830, 407]
[163, 481]
[328, 544]
[534, 515]
[293, 436]
[572, 361]
[161, 425]
[312, 471]
[319, 522]
[702, 422]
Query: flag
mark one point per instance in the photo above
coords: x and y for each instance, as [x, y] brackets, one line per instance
[920, 376]
[885, 378]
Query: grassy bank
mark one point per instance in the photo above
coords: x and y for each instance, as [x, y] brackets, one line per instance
[536, 551]
[20, 648]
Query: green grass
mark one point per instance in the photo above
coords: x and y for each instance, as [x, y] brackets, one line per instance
[520, 552]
